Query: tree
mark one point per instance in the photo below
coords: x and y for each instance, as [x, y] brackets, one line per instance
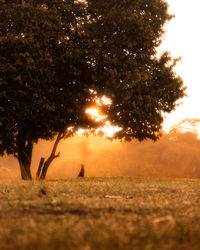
[140, 85]
[41, 93]
[56, 57]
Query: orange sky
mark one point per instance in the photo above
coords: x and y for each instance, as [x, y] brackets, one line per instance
[183, 39]
[174, 155]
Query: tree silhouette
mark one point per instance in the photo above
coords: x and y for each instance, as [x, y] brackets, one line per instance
[56, 57]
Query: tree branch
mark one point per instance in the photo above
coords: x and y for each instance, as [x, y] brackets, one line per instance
[52, 156]
[40, 168]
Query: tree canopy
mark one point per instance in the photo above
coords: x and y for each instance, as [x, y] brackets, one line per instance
[57, 56]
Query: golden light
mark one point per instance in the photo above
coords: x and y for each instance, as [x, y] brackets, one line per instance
[110, 130]
[189, 125]
[94, 113]
[106, 100]
[103, 101]
[80, 131]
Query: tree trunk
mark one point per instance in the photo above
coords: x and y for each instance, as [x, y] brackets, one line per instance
[40, 168]
[53, 155]
[24, 156]
[45, 167]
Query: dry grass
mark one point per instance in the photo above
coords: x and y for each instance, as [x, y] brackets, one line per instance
[100, 213]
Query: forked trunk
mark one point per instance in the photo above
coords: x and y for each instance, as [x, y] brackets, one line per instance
[45, 168]
[24, 156]
[44, 165]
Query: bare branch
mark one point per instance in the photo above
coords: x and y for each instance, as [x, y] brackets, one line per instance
[40, 167]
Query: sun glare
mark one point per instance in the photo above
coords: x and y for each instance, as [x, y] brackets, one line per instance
[80, 131]
[110, 130]
[103, 101]
[186, 125]
[190, 125]
[94, 113]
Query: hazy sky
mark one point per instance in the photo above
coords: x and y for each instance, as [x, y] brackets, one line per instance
[183, 39]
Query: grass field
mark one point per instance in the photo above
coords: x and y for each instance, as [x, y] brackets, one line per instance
[100, 213]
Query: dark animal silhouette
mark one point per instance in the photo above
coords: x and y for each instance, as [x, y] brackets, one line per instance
[82, 171]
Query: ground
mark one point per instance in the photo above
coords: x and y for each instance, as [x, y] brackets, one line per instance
[100, 213]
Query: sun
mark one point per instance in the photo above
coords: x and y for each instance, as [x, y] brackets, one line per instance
[108, 130]
[95, 113]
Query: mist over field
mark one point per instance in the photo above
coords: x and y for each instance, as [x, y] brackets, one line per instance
[175, 155]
